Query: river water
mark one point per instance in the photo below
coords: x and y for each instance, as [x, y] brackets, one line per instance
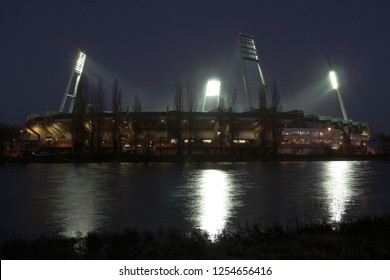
[70, 199]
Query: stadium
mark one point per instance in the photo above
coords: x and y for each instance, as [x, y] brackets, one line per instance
[217, 129]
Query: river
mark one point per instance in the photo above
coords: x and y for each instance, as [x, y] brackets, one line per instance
[72, 199]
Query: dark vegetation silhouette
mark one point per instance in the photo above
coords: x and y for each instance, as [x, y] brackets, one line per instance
[367, 238]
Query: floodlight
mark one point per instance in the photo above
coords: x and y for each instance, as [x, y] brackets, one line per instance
[213, 88]
[333, 80]
[335, 86]
[80, 62]
[76, 72]
[252, 76]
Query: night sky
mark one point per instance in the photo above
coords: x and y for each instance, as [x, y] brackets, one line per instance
[147, 45]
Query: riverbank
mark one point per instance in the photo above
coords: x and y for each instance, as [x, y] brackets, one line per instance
[367, 238]
[107, 157]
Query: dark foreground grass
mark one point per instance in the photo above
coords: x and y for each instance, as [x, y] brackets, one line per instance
[367, 238]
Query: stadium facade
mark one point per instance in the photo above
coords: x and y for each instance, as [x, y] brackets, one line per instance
[202, 132]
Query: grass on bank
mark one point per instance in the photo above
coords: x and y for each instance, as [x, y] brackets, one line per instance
[367, 238]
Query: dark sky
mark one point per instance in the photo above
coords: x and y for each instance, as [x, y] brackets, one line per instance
[147, 45]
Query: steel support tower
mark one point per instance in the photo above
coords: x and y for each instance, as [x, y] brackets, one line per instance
[73, 80]
[250, 57]
[335, 85]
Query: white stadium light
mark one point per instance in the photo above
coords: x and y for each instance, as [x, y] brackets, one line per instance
[333, 80]
[74, 80]
[213, 88]
[80, 62]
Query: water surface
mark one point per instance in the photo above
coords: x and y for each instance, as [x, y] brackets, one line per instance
[71, 199]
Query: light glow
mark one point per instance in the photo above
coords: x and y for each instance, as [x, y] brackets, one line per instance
[76, 210]
[338, 188]
[80, 62]
[213, 88]
[333, 80]
[215, 205]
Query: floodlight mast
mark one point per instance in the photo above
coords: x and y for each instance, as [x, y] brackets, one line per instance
[335, 86]
[249, 54]
[77, 70]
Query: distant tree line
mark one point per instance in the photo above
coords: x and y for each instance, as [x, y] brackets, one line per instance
[269, 129]
[89, 108]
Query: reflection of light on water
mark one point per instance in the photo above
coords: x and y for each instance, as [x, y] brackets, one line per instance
[76, 205]
[215, 202]
[338, 187]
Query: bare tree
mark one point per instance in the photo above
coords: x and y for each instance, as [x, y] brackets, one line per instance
[91, 124]
[263, 126]
[191, 96]
[100, 105]
[191, 104]
[275, 102]
[275, 108]
[232, 98]
[232, 108]
[79, 133]
[96, 116]
[221, 104]
[150, 133]
[263, 100]
[221, 121]
[221, 128]
[116, 107]
[137, 103]
[99, 109]
[178, 102]
[136, 122]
